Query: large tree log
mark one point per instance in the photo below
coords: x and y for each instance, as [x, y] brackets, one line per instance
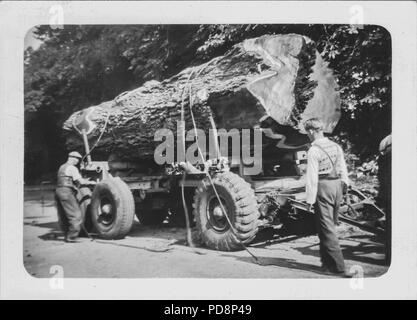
[282, 76]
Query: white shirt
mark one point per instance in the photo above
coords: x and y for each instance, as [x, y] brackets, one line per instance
[318, 162]
[72, 171]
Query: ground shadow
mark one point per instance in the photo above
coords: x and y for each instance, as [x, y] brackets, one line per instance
[280, 262]
[47, 225]
[53, 236]
[270, 236]
[160, 232]
[162, 247]
[293, 230]
[353, 253]
[356, 253]
[34, 217]
[371, 238]
[54, 232]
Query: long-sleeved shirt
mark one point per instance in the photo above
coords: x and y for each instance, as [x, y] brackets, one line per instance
[73, 172]
[68, 170]
[318, 162]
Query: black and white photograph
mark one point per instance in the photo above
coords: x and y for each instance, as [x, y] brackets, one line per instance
[209, 149]
[96, 96]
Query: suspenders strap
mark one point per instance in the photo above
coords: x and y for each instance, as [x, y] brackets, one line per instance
[331, 161]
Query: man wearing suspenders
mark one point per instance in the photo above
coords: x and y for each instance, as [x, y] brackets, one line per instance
[68, 179]
[326, 181]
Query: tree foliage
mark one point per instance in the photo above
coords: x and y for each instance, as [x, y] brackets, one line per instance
[79, 66]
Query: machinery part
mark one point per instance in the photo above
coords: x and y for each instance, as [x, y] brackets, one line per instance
[112, 208]
[84, 199]
[239, 202]
[352, 198]
[153, 210]
[359, 207]
[360, 211]
[86, 147]
[84, 126]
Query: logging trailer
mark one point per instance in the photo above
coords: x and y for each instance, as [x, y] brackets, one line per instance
[278, 76]
[227, 207]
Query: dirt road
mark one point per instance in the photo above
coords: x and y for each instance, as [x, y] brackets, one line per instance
[155, 252]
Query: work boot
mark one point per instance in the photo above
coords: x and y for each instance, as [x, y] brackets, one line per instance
[325, 270]
[343, 274]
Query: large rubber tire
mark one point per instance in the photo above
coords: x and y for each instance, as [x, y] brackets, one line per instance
[115, 193]
[240, 203]
[84, 199]
[153, 210]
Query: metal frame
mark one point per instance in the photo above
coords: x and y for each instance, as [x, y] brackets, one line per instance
[292, 189]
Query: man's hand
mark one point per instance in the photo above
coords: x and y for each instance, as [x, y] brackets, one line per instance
[309, 207]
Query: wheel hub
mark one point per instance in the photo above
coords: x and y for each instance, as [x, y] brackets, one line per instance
[106, 212]
[218, 212]
[106, 208]
[215, 215]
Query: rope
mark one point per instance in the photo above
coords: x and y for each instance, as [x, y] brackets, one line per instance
[86, 155]
[99, 137]
[184, 203]
[208, 175]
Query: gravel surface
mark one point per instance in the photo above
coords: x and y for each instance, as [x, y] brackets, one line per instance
[161, 252]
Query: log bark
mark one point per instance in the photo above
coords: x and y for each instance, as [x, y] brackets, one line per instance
[282, 76]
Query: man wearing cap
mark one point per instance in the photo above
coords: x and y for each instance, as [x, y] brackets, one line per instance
[326, 181]
[68, 177]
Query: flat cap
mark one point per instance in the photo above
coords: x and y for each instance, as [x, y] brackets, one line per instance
[75, 154]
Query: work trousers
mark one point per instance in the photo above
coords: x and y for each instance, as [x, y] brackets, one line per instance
[69, 212]
[329, 197]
